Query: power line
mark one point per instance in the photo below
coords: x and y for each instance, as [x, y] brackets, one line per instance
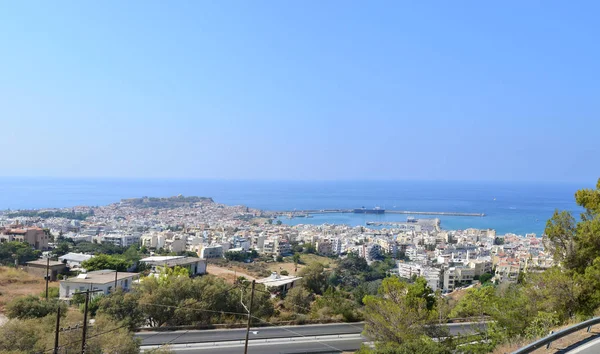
[92, 336]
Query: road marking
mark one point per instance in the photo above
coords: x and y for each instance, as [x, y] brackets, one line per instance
[254, 342]
[585, 346]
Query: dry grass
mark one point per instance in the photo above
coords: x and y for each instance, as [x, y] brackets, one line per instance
[555, 347]
[305, 259]
[16, 282]
[256, 270]
[229, 274]
[312, 258]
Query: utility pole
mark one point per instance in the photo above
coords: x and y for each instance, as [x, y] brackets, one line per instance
[116, 272]
[249, 317]
[85, 314]
[47, 275]
[57, 330]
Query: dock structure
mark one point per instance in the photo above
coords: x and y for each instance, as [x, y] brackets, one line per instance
[446, 213]
[407, 212]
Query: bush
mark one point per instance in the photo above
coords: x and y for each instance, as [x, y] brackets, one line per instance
[53, 293]
[32, 307]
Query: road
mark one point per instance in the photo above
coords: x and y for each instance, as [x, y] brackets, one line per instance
[316, 344]
[218, 335]
[346, 336]
[591, 347]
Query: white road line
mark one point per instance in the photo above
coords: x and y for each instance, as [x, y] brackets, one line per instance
[585, 346]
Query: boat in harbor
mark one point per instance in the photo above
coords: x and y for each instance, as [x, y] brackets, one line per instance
[363, 210]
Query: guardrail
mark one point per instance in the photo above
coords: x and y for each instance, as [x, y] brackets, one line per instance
[554, 336]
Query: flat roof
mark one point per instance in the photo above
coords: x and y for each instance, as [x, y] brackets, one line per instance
[277, 280]
[77, 257]
[99, 277]
[42, 262]
[172, 261]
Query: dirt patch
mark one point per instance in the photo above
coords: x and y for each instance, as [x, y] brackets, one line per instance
[557, 346]
[16, 282]
[229, 274]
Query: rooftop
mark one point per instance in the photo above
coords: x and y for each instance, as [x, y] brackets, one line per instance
[170, 261]
[275, 280]
[43, 262]
[99, 277]
[77, 257]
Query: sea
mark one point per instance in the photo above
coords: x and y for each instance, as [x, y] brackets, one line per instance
[510, 207]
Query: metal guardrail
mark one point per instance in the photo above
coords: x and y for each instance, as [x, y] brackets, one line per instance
[546, 341]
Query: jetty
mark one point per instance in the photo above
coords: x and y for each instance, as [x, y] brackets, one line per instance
[303, 213]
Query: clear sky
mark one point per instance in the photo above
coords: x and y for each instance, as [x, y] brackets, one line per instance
[442, 90]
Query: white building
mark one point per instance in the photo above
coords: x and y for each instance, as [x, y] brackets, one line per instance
[103, 280]
[432, 275]
[212, 251]
[195, 266]
[277, 283]
[121, 240]
[336, 245]
[74, 259]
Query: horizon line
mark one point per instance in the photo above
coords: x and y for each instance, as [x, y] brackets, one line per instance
[225, 179]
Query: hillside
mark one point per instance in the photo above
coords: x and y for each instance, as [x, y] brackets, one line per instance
[169, 202]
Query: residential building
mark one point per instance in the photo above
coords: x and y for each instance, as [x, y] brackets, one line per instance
[121, 240]
[34, 236]
[41, 266]
[432, 275]
[212, 251]
[324, 247]
[278, 284]
[175, 244]
[74, 260]
[195, 266]
[103, 280]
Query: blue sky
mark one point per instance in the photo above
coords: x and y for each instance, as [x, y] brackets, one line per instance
[435, 90]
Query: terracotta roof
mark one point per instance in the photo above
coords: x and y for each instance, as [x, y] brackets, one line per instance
[17, 231]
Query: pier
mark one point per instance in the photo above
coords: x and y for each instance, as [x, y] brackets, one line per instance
[292, 213]
[446, 213]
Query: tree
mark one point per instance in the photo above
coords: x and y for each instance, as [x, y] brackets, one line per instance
[419, 345]
[37, 336]
[296, 258]
[334, 304]
[476, 302]
[122, 307]
[179, 300]
[279, 222]
[105, 261]
[401, 312]
[21, 251]
[298, 300]
[576, 245]
[62, 249]
[351, 271]
[314, 278]
[485, 277]
[364, 289]
[309, 248]
[30, 306]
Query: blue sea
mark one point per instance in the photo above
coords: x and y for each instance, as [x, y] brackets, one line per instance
[510, 207]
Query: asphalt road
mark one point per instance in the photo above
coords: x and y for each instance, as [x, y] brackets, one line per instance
[221, 335]
[591, 347]
[318, 344]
